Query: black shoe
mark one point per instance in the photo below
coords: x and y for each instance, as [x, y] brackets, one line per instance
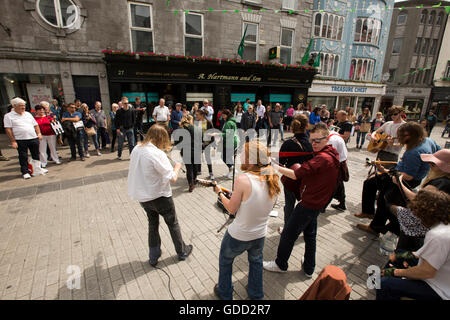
[188, 250]
[339, 207]
[73, 159]
[216, 292]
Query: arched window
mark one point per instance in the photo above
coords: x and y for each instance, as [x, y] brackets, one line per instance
[358, 70]
[439, 18]
[358, 30]
[317, 22]
[325, 65]
[423, 17]
[336, 65]
[335, 28]
[432, 16]
[341, 27]
[324, 25]
[59, 13]
[364, 31]
[330, 26]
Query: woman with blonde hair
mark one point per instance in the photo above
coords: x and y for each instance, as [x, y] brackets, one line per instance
[255, 193]
[90, 121]
[149, 179]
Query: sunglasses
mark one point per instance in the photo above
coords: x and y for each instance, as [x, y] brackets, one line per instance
[318, 140]
[394, 114]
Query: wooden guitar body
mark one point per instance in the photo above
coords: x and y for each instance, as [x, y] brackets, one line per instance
[379, 143]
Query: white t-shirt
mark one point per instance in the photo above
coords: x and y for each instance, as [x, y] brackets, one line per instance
[238, 116]
[149, 174]
[260, 111]
[210, 112]
[339, 144]
[161, 113]
[22, 125]
[391, 129]
[251, 219]
[436, 251]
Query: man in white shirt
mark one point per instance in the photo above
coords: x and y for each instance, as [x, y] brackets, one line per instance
[24, 133]
[338, 143]
[161, 114]
[209, 109]
[260, 112]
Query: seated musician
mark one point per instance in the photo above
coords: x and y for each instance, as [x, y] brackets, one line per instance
[412, 169]
[390, 153]
[253, 198]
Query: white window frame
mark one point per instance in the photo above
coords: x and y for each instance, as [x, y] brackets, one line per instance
[58, 14]
[370, 63]
[376, 25]
[130, 21]
[257, 37]
[292, 42]
[286, 7]
[331, 67]
[334, 18]
[403, 14]
[193, 35]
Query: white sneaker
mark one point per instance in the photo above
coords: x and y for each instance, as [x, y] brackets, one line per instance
[272, 266]
[87, 155]
[26, 176]
[44, 170]
[99, 153]
[229, 175]
[58, 162]
[43, 165]
[211, 177]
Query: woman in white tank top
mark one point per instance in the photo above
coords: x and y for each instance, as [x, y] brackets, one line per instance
[253, 198]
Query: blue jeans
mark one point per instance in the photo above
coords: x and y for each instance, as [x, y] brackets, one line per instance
[85, 139]
[230, 249]
[301, 220]
[395, 288]
[362, 136]
[130, 137]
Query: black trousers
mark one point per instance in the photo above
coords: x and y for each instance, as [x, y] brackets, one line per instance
[23, 147]
[114, 137]
[276, 129]
[75, 142]
[191, 172]
[166, 208]
[102, 134]
[339, 192]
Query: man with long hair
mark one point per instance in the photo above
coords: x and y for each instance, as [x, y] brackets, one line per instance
[149, 181]
[254, 195]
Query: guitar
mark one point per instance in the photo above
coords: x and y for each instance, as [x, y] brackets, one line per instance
[379, 143]
[372, 163]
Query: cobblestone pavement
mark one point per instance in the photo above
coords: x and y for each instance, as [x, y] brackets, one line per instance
[80, 215]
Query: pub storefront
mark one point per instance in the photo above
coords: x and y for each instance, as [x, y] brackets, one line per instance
[440, 102]
[187, 81]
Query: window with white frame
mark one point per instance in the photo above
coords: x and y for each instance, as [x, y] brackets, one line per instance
[250, 41]
[329, 64]
[290, 4]
[397, 46]
[141, 27]
[328, 26]
[193, 34]
[402, 18]
[367, 30]
[362, 69]
[59, 13]
[286, 44]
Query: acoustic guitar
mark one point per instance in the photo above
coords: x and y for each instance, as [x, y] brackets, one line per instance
[379, 143]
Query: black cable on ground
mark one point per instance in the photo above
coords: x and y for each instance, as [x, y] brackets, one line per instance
[168, 285]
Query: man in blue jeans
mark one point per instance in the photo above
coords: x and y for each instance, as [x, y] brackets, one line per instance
[318, 182]
[125, 122]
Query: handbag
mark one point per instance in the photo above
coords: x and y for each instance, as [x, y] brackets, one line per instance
[56, 127]
[79, 125]
[365, 127]
[343, 171]
[90, 131]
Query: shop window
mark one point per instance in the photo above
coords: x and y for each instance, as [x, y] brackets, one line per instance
[141, 27]
[423, 17]
[397, 46]
[402, 17]
[439, 18]
[433, 47]
[250, 41]
[193, 34]
[417, 46]
[367, 30]
[362, 69]
[287, 39]
[59, 13]
[413, 108]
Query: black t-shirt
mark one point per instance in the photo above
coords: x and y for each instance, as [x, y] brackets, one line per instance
[139, 113]
[291, 146]
[344, 127]
[443, 184]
